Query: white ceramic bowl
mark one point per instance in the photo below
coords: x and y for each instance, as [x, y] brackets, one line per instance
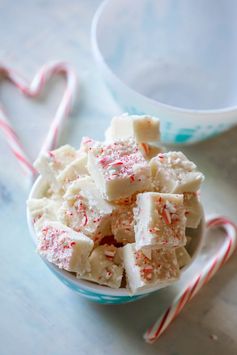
[92, 291]
[172, 59]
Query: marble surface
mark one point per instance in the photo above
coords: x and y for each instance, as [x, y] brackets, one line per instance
[39, 315]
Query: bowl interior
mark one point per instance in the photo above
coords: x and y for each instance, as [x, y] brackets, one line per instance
[180, 53]
[38, 191]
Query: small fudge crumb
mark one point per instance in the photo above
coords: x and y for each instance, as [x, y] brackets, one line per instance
[144, 273]
[86, 144]
[122, 224]
[50, 164]
[193, 209]
[85, 210]
[213, 337]
[140, 128]
[63, 247]
[42, 209]
[149, 151]
[105, 266]
[159, 220]
[172, 172]
[118, 169]
[183, 256]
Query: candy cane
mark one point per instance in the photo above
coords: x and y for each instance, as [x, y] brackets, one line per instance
[199, 280]
[32, 90]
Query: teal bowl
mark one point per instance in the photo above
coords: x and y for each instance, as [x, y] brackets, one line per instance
[92, 291]
[171, 59]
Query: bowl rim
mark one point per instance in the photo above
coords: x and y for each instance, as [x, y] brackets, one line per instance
[89, 286]
[202, 113]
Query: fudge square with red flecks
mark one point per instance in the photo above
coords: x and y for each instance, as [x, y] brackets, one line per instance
[173, 172]
[85, 210]
[119, 169]
[159, 220]
[64, 247]
[142, 272]
[104, 266]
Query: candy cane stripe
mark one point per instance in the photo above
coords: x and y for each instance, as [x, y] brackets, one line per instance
[55, 137]
[162, 322]
[32, 90]
[209, 274]
[226, 256]
[194, 287]
[181, 302]
[8, 129]
[23, 160]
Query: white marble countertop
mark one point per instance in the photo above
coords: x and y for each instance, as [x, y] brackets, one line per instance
[39, 315]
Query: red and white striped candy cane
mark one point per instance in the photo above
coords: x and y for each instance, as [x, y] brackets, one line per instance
[33, 89]
[199, 280]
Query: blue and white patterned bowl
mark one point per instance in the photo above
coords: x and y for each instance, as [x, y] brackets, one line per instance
[92, 291]
[166, 58]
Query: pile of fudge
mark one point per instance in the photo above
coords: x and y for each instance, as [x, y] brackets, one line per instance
[117, 212]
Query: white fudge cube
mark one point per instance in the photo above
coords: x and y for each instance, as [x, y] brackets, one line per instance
[141, 128]
[50, 164]
[193, 209]
[118, 169]
[42, 209]
[144, 273]
[74, 170]
[122, 224]
[183, 256]
[64, 247]
[173, 172]
[85, 210]
[146, 129]
[105, 266]
[159, 220]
